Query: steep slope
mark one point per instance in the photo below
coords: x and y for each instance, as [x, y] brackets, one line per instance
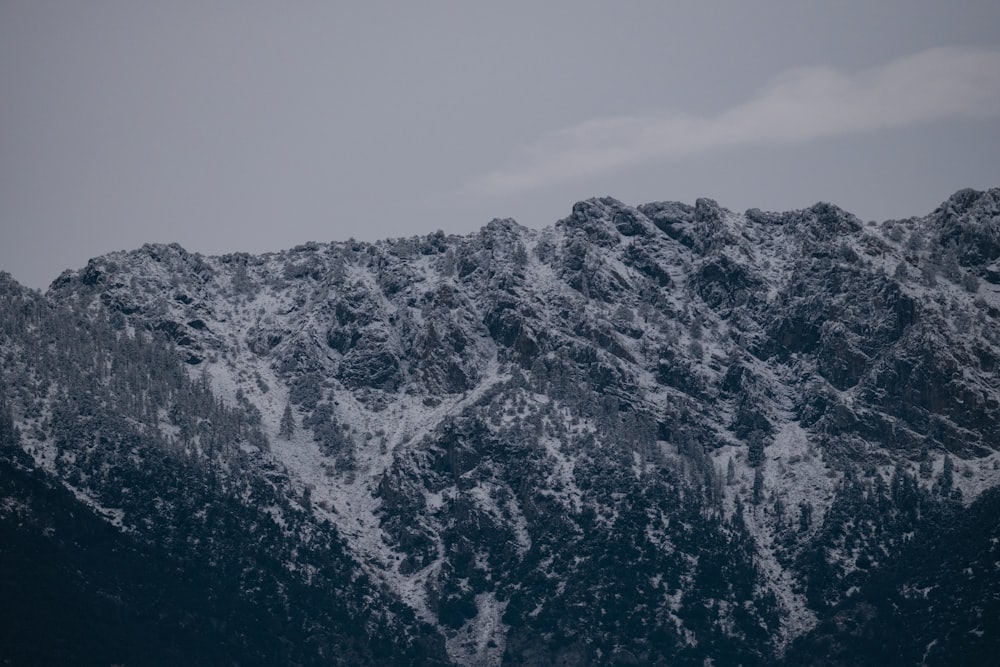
[144, 521]
[647, 435]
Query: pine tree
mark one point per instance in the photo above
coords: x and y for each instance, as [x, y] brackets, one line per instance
[758, 486]
[779, 512]
[287, 426]
[805, 516]
[947, 478]
[8, 432]
[926, 469]
[755, 451]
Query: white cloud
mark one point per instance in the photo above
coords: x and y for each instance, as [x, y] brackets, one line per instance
[799, 105]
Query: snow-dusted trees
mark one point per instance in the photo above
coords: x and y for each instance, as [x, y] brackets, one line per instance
[8, 434]
[287, 426]
[758, 486]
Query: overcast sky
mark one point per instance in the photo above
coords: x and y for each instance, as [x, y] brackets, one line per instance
[255, 126]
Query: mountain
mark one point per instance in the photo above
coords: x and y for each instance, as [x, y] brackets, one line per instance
[664, 434]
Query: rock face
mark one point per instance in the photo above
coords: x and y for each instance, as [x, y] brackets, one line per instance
[651, 435]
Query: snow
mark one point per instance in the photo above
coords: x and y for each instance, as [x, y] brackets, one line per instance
[794, 472]
[481, 640]
[114, 516]
[391, 430]
[562, 474]
[927, 651]
[483, 493]
[352, 500]
[971, 476]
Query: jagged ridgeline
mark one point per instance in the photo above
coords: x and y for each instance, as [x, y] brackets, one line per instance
[645, 435]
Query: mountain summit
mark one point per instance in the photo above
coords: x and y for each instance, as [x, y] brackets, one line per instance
[664, 434]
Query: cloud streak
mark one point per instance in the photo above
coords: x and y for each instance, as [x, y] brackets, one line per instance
[798, 106]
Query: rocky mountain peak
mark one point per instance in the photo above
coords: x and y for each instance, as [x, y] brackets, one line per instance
[644, 434]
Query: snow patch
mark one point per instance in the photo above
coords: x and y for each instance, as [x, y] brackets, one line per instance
[482, 640]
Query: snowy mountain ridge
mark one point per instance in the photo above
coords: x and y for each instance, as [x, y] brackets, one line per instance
[643, 435]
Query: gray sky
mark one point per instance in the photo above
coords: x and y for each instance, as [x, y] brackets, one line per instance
[254, 126]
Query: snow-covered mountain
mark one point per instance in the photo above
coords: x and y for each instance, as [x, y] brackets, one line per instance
[645, 435]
